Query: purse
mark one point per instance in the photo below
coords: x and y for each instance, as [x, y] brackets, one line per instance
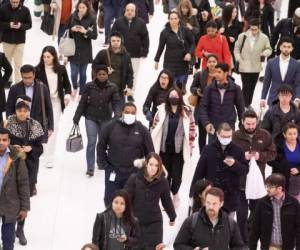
[47, 25]
[74, 141]
[67, 46]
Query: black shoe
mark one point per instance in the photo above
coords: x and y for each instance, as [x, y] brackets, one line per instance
[90, 172]
[261, 79]
[21, 236]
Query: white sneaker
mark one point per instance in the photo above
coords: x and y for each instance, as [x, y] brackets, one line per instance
[49, 165]
[176, 200]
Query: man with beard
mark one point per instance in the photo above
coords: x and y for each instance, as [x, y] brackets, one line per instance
[257, 143]
[282, 69]
[210, 228]
[276, 221]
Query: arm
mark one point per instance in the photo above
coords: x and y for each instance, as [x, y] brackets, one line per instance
[275, 35]
[66, 81]
[204, 105]
[98, 229]
[102, 144]
[269, 154]
[226, 52]
[7, 69]
[196, 83]
[237, 47]
[190, 40]
[48, 108]
[271, 19]
[145, 40]
[148, 102]
[129, 73]
[200, 48]
[161, 46]
[23, 186]
[268, 50]
[82, 105]
[184, 237]
[167, 201]
[27, 24]
[11, 101]
[241, 166]
[242, 7]
[116, 103]
[239, 103]
[267, 122]
[4, 25]
[267, 81]
[130, 186]
[196, 27]
[135, 235]
[148, 144]
[92, 31]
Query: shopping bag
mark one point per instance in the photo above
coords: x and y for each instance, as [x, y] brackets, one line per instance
[67, 46]
[47, 25]
[255, 186]
[74, 141]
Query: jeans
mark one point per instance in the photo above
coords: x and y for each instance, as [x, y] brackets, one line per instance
[8, 235]
[77, 69]
[112, 10]
[93, 132]
[61, 31]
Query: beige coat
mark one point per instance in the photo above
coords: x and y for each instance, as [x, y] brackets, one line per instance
[249, 59]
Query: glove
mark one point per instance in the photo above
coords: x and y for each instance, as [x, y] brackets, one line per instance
[149, 116]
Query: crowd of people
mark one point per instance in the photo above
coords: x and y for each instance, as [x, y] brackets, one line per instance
[233, 203]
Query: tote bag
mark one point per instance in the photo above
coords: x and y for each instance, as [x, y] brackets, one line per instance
[74, 141]
[67, 46]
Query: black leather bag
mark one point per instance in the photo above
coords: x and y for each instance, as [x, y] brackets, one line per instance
[47, 25]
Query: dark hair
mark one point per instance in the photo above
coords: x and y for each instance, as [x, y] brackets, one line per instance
[227, 14]
[99, 67]
[129, 104]
[91, 246]
[286, 39]
[254, 22]
[116, 34]
[128, 214]
[173, 12]
[223, 66]
[285, 88]
[181, 102]
[214, 191]
[27, 68]
[197, 190]
[170, 75]
[276, 180]
[24, 103]
[52, 51]
[290, 125]
[211, 24]
[224, 126]
[212, 55]
[4, 131]
[249, 114]
[254, 4]
[87, 3]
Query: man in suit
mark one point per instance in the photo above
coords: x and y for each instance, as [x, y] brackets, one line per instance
[281, 70]
[32, 88]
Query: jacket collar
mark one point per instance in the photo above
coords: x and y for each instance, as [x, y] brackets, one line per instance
[203, 215]
[231, 84]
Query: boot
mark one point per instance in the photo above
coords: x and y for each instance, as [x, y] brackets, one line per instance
[20, 234]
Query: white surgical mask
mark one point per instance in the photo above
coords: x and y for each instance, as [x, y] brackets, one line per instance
[129, 119]
[224, 141]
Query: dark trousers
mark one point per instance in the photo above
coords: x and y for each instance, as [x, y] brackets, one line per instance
[174, 165]
[202, 134]
[249, 81]
[112, 186]
[8, 235]
[242, 215]
[33, 170]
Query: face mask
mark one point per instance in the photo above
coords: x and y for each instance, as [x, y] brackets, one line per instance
[129, 119]
[224, 141]
[174, 101]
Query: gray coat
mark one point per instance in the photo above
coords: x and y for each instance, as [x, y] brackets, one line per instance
[15, 195]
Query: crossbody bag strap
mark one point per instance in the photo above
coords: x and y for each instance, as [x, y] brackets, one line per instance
[43, 105]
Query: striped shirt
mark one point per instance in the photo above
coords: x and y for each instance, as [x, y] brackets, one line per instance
[276, 238]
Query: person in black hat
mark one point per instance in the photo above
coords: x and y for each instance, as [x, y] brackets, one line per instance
[95, 105]
[282, 112]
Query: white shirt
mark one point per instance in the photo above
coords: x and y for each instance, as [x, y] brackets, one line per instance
[252, 40]
[283, 65]
[52, 81]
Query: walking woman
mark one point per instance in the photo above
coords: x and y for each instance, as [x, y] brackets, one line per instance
[116, 228]
[55, 77]
[173, 135]
[147, 188]
[157, 94]
[83, 29]
[201, 80]
[179, 43]
[26, 135]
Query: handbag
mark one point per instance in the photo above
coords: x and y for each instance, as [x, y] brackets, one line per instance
[67, 46]
[47, 25]
[74, 141]
[255, 186]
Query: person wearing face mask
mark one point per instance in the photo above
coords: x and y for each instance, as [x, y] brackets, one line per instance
[173, 134]
[223, 163]
[147, 188]
[99, 99]
[157, 94]
[256, 142]
[121, 142]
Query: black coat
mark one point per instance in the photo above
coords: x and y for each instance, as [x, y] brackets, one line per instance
[36, 107]
[4, 78]
[15, 195]
[102, 227]
[20, 14]
[177, 46]
[120, 144]
[234, 31]
[98, 101]
[203, 6]
[212, 167]
[84, 52]
[293, 5]
[266, 17]
[145, 8]
[63, 82]
[224, 236]
[145, 199]
[215, 112]
[127, 71]
[135, 37]
[263, 219]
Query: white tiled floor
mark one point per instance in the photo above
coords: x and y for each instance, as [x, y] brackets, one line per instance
[63, 212]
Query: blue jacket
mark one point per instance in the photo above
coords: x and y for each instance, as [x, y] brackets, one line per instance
[272, 80]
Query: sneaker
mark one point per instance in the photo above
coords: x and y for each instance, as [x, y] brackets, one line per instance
[90, 172]
[49, 165]
[176, 200]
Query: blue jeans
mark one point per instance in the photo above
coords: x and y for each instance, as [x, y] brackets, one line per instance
[112, 10]
[181, 78]
[77, 69]
[8, 235]
[93, 132]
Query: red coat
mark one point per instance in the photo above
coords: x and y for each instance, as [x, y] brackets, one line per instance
[217, 45]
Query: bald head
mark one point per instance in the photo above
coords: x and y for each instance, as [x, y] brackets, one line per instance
[130, 11]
